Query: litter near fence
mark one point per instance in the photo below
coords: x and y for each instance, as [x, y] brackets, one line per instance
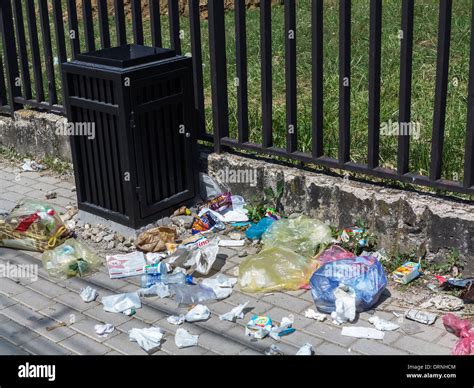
[444, 302]
[311, 314]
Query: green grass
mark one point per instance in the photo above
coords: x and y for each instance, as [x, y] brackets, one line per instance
[423, 82]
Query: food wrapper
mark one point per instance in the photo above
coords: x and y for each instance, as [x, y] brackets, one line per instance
[221, 202]
[155, 239]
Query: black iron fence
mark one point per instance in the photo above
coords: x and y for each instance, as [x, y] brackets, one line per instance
[63, 32]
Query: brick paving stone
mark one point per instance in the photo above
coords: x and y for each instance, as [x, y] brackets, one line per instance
[34, 300]
[9, 288]
[73, 300]
[6, 302]
[81, 344]
[47, 288]
[62, 313]
[16, 333]
[42, 345]
[9, 349]
[86, 327]
[100, 314]
[21, 314]
[328, 332]
[122, 344]
[420, 347]
[330, 349]
[286, 301]
[375, 347]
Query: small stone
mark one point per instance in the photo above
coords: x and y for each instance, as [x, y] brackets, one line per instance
[108, 237]
[51, 195]
[86, 235]
[235, 236]
[71, 225]
[94, 231]
[111, 245]
[73, 189]
[120, 238]
[98, 239]
[242, 253]
[87, 226]
[127, 243]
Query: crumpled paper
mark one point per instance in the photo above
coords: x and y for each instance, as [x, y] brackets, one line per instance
[155, 239]
[444, 302]
[104, 330]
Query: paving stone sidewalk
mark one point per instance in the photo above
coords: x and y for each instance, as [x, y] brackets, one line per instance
[47, 316]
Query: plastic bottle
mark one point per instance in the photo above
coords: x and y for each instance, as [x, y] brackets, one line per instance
[174, 278]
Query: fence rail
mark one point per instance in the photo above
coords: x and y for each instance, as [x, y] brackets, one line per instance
[33, 36]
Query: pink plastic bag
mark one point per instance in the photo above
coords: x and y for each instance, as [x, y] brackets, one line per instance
[333, 253]
[462, 329]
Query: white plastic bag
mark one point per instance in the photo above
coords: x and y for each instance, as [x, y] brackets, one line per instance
[311, 314]
[208, 187]
[382, 324]
[149, 339]
[220, 284]
[345, 305]
[104, 330]
[305, 350]
[176, 319]
[183, 339]
[159, 289]
[202, 259]
[198, 313]
[236, 312]
[88, 294]
[122, 303]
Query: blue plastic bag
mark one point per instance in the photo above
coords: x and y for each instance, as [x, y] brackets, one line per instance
[256, 231]
[364, 275]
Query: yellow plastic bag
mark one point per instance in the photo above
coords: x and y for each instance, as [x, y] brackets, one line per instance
[70, 259]
[302, 235]
[274, 269]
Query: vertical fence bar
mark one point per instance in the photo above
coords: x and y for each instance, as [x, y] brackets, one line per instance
[196, 50]
[60, 41]
[241, 59]
[48, 51]
[104, 23]
[266, 71]
[442, 72]
[36, 61]
[290, 74]
[9, 51]
[317, 10]
[22, 49]
[3, 88]
[88, 25]
[375, 53]
[344, 80]
[406, 55]
[73, 27]
[469, 150]
[120, 22]
[137, 21]
[155, 22]
[220, 104]
[173, 15]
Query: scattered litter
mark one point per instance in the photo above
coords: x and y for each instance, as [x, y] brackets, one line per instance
[154, 257]
[411, 328]
[88, 294]
[382, 324]
[221, 202]
[274, 350]
[202, 259]
[149, 339]
[301, 235]
[149, 279]
[444, 302]
[396, 314]
[104, 330]
[461, 328]
[121, 266]
[191, 295]
[155, 239]
[51, 195]
[285, 328]
[198, 313]
[207, 221]
[159, 289]
[70, 259]
[362, 332]
[176, 319]
[235, 236]
[32, 225]
[305, 350]
[208, 187]
[31, 166]
[55, 326]
[236, 312]
[311, 314]
[258, 327]
[221, 285]
[122, 303]
[407, 272]
[275, 269]
[184, 339]
[364, 275]
[231, 243]
[345, 305]
[256, 231]
[421, 316]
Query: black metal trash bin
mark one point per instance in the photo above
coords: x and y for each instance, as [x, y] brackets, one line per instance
[141, 162]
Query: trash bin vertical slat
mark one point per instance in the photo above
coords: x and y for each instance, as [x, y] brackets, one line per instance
[375, 50]
[118, 177]
[178, 152]
[120, 23]
[112, 188]
[73, 28]
[290, 74]
[88, 25]
[162, 156]
[344, 80]
[242, 71]
[137, 21]
[317, 78]
[48, 51]
[173, 15]
[406, 54]
[469, 150]
[104, 23]
[155, 23]
[22, 49]
[33, 35]
[102, 140]
[266, 71]
[196, 51]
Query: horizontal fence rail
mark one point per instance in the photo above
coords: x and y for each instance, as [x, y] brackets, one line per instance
[38, 35]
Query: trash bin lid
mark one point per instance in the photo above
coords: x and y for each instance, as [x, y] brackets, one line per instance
[126, 55]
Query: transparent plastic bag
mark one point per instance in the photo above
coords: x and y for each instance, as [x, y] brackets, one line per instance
[274, 269]
[188, 294]
[70, 259]
[301, 234]
[364, 275]
[32, 225]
